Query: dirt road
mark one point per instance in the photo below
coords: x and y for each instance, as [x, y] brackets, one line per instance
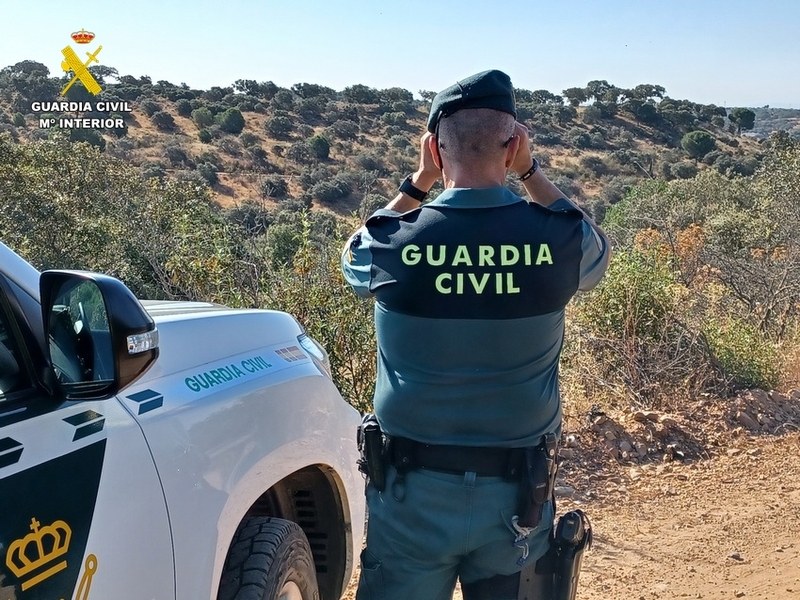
[707, 509]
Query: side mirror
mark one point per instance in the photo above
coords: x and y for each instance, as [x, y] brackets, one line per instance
[100, 339]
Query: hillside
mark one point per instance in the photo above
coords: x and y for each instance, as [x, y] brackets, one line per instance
[769, 120]
[313, 146]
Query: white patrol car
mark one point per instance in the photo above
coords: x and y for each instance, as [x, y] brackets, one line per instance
[179, 451]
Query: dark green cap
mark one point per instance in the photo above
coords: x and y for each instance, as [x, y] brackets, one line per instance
[489, 89]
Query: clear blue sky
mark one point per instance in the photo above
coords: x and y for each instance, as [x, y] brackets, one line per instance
[732, 52]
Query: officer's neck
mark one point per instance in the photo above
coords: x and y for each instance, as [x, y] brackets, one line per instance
[489, 176]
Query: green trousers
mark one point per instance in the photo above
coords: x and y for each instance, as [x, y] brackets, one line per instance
[430, 529]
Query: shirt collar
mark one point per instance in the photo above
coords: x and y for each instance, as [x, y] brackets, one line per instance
[476, 197]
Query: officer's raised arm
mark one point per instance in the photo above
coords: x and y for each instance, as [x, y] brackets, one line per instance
[596, 248]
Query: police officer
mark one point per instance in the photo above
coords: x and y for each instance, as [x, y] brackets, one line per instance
[470, 293]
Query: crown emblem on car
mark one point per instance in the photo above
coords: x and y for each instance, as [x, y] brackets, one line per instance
[82, 36]
[28, 556]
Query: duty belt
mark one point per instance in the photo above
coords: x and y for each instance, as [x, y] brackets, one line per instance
[405, 454]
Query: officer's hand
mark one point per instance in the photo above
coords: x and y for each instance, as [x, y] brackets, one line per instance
[428, 173]
[523, 160]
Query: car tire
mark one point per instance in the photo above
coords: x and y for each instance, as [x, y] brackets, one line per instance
[270, 559]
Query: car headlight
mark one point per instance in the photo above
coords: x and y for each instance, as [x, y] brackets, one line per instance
[317, 353]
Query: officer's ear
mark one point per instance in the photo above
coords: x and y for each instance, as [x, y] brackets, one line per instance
[511, 151]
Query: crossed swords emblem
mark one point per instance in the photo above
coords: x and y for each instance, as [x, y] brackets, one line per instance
[74, 64]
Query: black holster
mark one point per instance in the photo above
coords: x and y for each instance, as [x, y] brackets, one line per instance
[538, 480]
[555, 575]
[371, 446]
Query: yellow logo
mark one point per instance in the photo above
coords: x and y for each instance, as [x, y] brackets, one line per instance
[77, 67]
[38, 549]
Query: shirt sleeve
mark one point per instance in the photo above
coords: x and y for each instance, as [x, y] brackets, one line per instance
[357, 262]
[596, 253]
[595, 250]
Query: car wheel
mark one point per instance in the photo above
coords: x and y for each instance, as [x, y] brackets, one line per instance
[270, 559]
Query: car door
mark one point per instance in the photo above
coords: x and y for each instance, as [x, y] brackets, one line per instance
[82, 512]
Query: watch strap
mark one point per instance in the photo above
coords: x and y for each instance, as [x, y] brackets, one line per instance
[410, 189]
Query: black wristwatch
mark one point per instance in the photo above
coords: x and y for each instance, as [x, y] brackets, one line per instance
[410, 189]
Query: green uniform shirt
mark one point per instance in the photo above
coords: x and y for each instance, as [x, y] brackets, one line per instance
[470, 293]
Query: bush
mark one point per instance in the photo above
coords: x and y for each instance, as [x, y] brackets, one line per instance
[698, 143]
[279, 127]
[183, 107]
[230, 121]
[744, 355]
[177, 156]
[230, 146]
[300, 153]
[202, 117]
[579, 138]
[208, 172]
[398, 119]
[249, 139]
[591, 115]
[18, 120]
[319, 146]
[331, 191]
[204, 135]
[283, 100]
[273, 187]
[163, 121]
[594, 164]
[546, 139]
[370, 161]
[90, 136]
[343, 130]
[150, 107]
[683, 170]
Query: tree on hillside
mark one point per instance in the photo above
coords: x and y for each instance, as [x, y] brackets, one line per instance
[319, 146]
[312, 90]
[743, 118]
[361, 94]
[546, 97]
[230, 121]
[265, 89]
[202, 117]
[698, 143]
[575, 96]
[163, 120]
[26, 81]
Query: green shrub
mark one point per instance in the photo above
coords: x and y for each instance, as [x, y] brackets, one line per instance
[204, 135]
[150, 107]
[279, 127]
[202, 117]
[744, 355]
[208, 172]
[698, 143]
[249, 139]
[183, 107]
[635, 298]
[683, 170]
[331, 191]
[319, 146]
[230, 121]
[163, 121]
[273, 187]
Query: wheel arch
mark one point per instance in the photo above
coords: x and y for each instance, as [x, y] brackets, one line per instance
[315, 498]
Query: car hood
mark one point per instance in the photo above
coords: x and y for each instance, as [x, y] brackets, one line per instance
[162, 308]
[193, 334]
